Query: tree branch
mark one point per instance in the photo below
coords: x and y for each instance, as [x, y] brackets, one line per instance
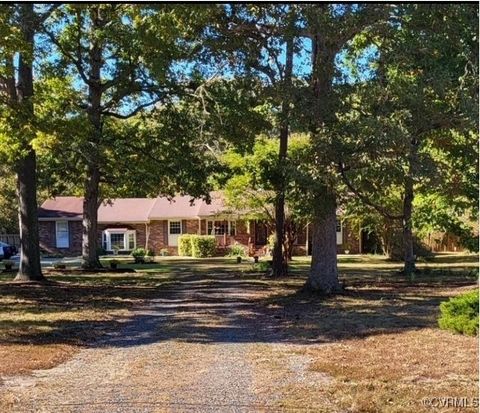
[133, 112]
[75, 61]
[364, 198]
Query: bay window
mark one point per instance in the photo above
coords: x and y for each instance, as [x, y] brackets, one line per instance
[119, 239]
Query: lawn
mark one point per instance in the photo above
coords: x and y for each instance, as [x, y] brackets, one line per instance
[376, 347]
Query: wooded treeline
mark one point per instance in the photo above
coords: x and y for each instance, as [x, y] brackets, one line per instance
[293, 109]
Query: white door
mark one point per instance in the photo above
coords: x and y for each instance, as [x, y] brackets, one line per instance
[174, 231]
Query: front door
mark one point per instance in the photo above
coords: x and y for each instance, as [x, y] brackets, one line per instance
[174, 231]
[261, 233]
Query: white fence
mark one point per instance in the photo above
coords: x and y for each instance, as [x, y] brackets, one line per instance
[11, 239]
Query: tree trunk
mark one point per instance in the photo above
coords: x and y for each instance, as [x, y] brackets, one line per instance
[409, 257]
[290, 232]
[92, 180]
[280, 265]
[30, 268]
[323, 275]
[90, 220]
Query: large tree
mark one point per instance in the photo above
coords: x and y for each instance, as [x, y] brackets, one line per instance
[19, 25]
[415, 115]
[331, 28]
[122, 59]
[261, 41]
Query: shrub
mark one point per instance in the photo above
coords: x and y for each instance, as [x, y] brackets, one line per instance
[139, 252]
[460, 314]
[260, 267]
[469, 241]
[59, 265]
[185, 245]
[203, 246]
[139, 255]
[271, 240]
[236, 250]
[150, 253]
[164, 252]
[8, 264]
[101, 251]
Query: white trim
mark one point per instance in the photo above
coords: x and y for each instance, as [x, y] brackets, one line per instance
[173, 238]
[63, 242]
[339, 234]
[107, 241]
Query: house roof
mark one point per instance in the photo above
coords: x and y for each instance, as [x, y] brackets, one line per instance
[217, 205]
[177, 207]
[125, 210]
[66, 207]
[135, 209]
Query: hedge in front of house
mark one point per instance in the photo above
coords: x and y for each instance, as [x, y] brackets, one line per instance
[203, 246]
[460, 314]
[185, 245]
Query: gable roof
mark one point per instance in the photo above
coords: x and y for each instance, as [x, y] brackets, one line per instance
[135, 209]
[177, 207]
[125, 210]
[66, 207]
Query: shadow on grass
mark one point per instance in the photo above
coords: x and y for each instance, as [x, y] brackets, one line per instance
[213, 304]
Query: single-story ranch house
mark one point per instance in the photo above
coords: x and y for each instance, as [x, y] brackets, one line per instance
[156, 224]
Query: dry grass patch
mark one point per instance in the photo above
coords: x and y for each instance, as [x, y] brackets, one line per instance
[43, 325]
[376, 348]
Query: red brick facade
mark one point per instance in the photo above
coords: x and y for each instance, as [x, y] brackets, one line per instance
[154, 236]
[48, 241]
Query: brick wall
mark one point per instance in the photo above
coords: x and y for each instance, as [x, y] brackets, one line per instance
[191, 226]
[158, 237]
[48, 242]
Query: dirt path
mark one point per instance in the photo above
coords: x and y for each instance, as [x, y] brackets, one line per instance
[187, 351]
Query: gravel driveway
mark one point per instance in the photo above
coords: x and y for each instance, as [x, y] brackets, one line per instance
[186, 351]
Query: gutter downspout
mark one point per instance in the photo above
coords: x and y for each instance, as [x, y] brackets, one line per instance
[147, 235]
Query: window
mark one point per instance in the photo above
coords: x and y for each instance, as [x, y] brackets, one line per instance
[119, 239]
[117, 242]
[175, 227]
[221, 228]
[131, 241]
[339, 226]
[339, 233]
[62, 235]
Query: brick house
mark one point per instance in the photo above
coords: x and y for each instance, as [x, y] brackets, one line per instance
[156, 223]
